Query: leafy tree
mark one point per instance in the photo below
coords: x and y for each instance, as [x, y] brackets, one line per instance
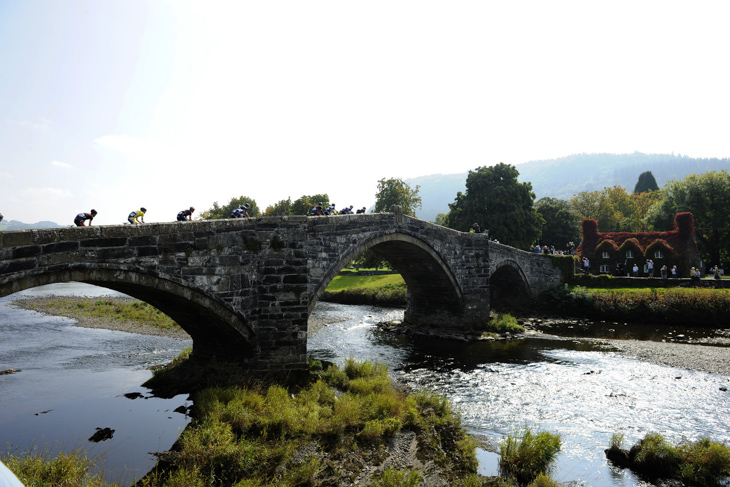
[499, 203]
[645, 183]
[561, 224]
[707, 197]
[441, 219]
[218, 212]
[613, 209]
[642, 203]
[282, 208]
[394, 191]
[304, 204]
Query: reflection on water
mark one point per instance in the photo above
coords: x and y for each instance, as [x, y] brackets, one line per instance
[579, 389]
[73, 380]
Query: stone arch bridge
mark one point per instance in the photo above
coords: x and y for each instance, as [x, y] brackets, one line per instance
[243, 289]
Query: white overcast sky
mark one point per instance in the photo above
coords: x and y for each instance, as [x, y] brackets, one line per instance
[117, 104]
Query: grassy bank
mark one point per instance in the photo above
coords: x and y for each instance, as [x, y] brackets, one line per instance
[381, 290]
[676, 306]
[114, 313]
[345, 425]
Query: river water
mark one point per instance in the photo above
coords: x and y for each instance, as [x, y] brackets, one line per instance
[74, 380]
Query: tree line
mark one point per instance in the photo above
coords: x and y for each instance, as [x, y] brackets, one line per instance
[508, 210]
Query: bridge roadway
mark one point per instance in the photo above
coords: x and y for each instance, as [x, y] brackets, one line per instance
[243, 289]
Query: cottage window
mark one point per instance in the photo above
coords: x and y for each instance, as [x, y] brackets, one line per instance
[629, 254]
[658, 254]
[605, 255]
[604, 268]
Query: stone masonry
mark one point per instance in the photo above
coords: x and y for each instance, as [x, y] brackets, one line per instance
[243, 289]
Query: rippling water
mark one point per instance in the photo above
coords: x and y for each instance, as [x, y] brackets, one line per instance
[74, 380]
[576, 388]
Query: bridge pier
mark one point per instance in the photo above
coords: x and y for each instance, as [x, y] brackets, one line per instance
[244, 289]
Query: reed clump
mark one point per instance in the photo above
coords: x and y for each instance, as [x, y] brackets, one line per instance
[333, 427]
[702, 463]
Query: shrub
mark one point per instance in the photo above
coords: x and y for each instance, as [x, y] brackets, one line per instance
[503, 323]
[524, 457]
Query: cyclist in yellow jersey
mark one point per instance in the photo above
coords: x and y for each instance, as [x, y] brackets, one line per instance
[137, 216]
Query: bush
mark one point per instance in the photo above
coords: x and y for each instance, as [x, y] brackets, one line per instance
[525, 457]
[503, 323]
[702, 463]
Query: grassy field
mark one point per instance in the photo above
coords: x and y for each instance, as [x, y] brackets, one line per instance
[349, 280]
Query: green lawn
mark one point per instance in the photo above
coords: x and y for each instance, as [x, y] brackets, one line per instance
[348, 281]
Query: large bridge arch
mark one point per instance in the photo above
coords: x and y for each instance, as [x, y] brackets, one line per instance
[431, 282]
[216, 330]
[243, 288]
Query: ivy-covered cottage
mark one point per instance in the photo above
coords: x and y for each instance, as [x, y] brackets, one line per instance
[605, 250]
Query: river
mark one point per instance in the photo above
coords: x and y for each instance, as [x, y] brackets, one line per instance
[74, 380]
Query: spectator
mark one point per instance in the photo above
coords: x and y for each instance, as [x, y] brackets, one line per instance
[664, 271]
[586, 265]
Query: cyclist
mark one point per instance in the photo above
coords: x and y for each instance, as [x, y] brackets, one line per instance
[330, 210]
[137, 216]
[82, 217]
[317, 210]
[241, 211]
[185, 215]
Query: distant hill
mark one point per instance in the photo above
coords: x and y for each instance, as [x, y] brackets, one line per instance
[564, 177]
[13, 225]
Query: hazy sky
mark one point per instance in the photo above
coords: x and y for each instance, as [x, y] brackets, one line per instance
[117, 104]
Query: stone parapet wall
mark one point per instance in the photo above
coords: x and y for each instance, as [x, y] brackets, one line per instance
[243, 288]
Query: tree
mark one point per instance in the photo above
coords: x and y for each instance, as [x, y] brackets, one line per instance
[218, 212]
[304, 204]
[645, 183]
[499, 203]
[282, 208]
[394, 191]
[707, 197]
[561, 224]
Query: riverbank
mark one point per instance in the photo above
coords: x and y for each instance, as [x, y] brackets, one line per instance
[713, 358]
[75, 307]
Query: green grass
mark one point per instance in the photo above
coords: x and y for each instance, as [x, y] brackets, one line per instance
[39, 469]
[252, 435]
[382, 290]
[702, 463]
[347, 281]
[135, 311]
[526, 455]
[503, 323]
[706, 307]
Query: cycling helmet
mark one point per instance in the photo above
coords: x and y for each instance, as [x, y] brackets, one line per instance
[143, 209]
[93, 212]
[192, 209]
[246, 206]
